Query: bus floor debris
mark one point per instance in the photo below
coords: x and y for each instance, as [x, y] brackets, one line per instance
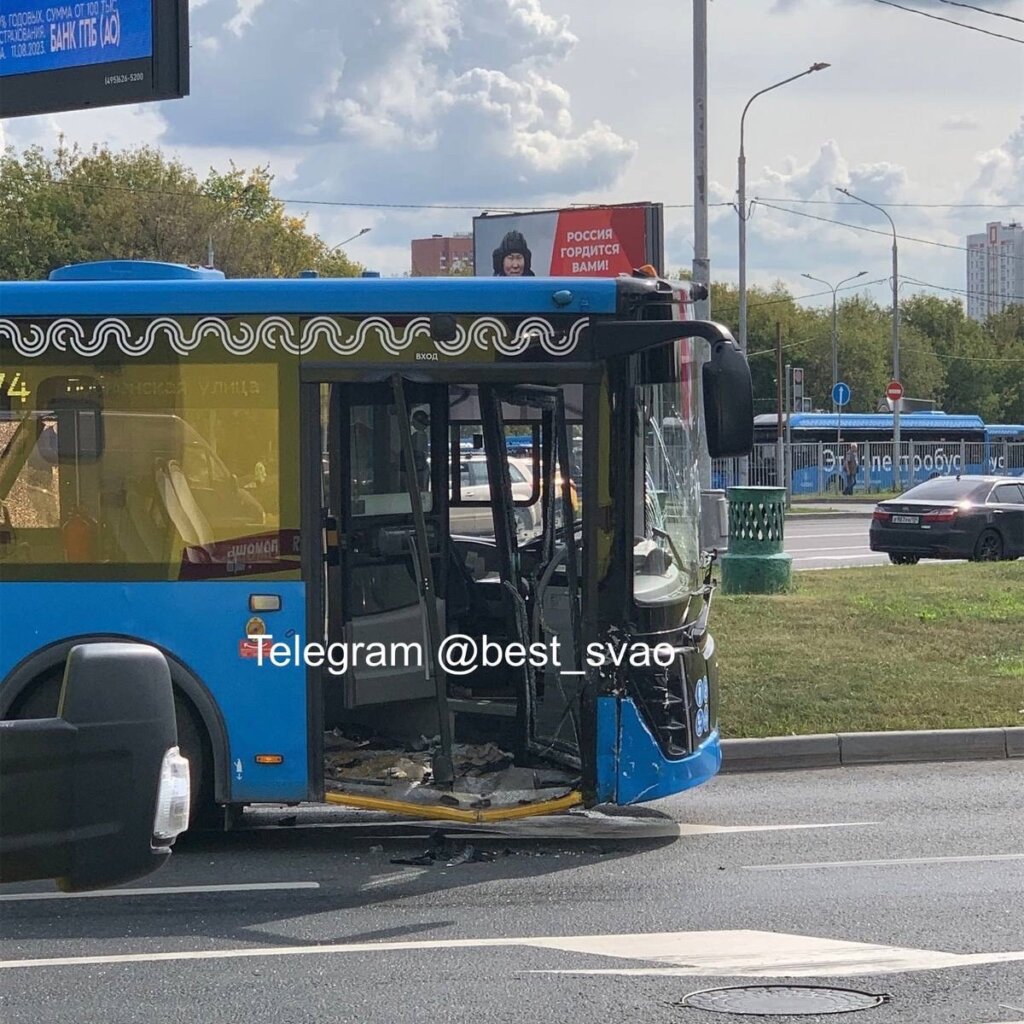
[485, 775]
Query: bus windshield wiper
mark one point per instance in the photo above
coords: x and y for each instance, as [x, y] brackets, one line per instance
[662, 535]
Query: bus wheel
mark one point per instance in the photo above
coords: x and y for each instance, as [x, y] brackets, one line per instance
[989, 547]
[196, 751]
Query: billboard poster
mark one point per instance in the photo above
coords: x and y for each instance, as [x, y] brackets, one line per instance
[62, 55]
[601, 241]
[44, 37]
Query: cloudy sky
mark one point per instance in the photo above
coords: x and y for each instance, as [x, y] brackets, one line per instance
[428, 111]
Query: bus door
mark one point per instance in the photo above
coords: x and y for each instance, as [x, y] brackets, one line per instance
[527, 590]
[380, 439]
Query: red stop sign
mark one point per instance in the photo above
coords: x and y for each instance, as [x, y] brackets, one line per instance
[894, 391]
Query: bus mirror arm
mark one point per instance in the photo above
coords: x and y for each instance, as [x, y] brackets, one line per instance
[699, 626]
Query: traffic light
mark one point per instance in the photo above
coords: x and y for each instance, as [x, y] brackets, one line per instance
[797, 386]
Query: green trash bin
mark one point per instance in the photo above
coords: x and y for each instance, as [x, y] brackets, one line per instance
[755, 562]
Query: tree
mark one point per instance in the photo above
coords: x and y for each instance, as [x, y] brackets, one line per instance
[1005, 331]
[75, 207]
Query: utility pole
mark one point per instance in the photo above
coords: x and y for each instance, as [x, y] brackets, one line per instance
[701, 277]
[897, 447]
[780, 451]
[789, 438]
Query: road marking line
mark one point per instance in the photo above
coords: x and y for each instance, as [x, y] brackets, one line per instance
[395, 878]
[170, 890]
[710, 830]
[822, 537]
[835, 558]
[883, 863]
[719, 953]
[806, 552]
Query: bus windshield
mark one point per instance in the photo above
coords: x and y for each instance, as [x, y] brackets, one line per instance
[666, 553]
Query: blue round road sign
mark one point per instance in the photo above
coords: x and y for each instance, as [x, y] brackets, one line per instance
[840, 393]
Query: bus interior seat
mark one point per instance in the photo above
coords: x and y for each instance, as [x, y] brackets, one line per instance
[188, 519]
[137, 532]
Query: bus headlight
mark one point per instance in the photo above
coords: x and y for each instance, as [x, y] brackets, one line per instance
[173, 797]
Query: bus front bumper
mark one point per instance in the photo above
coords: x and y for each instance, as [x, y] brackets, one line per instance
[639, 771]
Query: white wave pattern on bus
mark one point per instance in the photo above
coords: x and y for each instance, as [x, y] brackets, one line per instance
[277, 332]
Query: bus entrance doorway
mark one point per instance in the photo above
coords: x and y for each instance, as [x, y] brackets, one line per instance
[453, 675]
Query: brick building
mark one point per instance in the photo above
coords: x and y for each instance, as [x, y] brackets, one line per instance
[442, 255]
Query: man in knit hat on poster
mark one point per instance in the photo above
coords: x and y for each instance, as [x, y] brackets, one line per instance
[512, 257]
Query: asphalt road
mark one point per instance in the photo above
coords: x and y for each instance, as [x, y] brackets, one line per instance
[833, 543]
[902, 880]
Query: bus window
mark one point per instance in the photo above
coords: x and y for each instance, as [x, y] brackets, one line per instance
[29, 482]
[378, 463]
[184, 474]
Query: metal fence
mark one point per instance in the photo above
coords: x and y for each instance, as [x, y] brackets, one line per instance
[815, 468]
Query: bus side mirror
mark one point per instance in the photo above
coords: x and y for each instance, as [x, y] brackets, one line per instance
[728, 401]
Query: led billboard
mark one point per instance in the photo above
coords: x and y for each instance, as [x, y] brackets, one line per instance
[72, 55]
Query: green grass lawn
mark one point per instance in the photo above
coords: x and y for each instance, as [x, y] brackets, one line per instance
[894, 647]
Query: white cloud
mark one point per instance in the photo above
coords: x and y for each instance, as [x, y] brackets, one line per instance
[422, 100]
[1000, 177]
[961, 123]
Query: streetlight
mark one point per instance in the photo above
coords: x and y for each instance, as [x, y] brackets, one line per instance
[743, 199]
[897, 449]
[358, 234]
[835, 336]
[742, 209]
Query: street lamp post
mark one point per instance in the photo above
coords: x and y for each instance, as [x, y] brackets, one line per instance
[835, 333]
[358, 234]
[742, 210]
[897, 448]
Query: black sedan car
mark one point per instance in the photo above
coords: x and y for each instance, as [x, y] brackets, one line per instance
[975, 517]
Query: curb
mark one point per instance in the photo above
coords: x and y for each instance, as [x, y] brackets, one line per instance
[835, 750]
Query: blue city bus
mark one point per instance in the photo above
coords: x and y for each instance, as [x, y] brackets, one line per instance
[261, 478]
[933, 444]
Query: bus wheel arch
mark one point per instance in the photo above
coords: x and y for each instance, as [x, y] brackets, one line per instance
[32, 690]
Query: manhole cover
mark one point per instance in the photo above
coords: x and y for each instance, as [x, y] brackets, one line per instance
[795, 1000]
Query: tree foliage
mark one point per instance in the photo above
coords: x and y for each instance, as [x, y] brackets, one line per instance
[74, 206]
[962, 365]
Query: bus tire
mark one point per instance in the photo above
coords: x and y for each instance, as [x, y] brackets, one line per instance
[195, 748]
[989, 546]
[40, 697]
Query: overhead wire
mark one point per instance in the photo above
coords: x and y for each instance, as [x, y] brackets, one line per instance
[509, 209]
[1013, 299]
[913, 206]
[949, 21]
[875, 231]
[983, 10]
